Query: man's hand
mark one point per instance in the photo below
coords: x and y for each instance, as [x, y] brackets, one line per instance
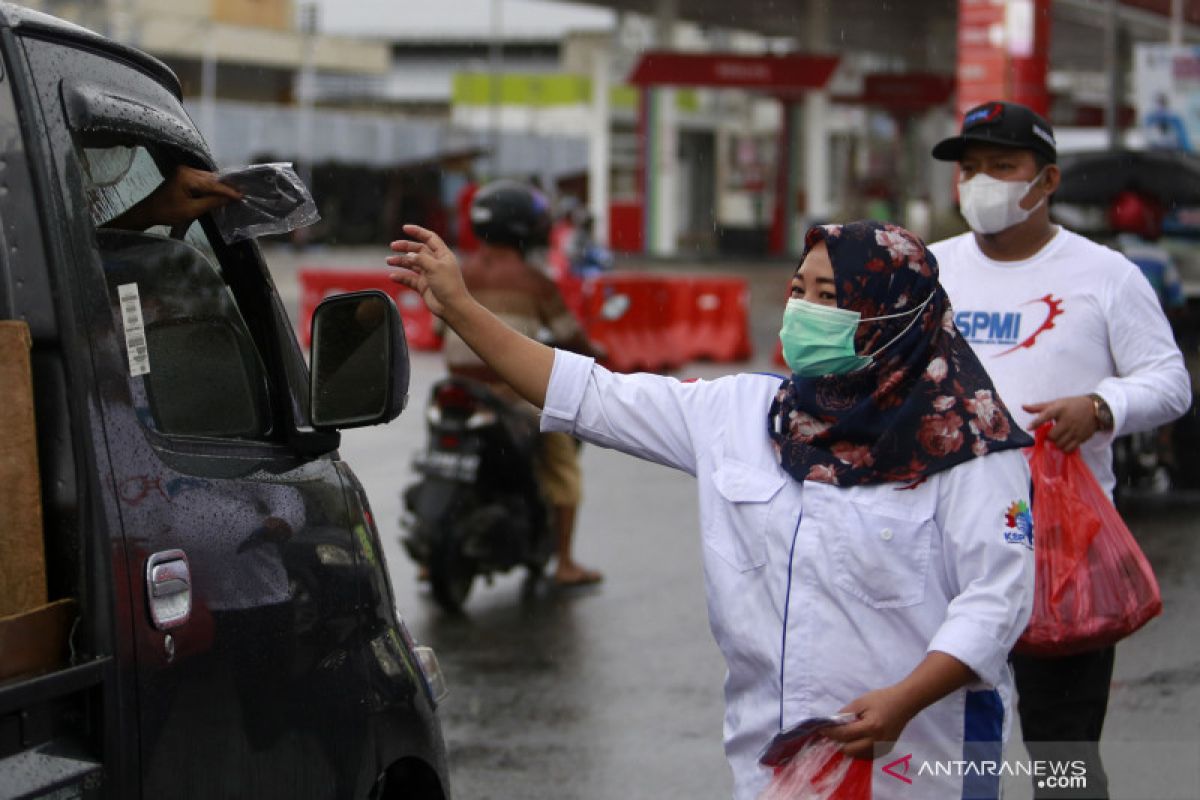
[430, 268]
[187, 194]
[1074, 420]
[882, 716]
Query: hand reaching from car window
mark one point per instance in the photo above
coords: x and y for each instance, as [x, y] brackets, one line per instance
[187, 194]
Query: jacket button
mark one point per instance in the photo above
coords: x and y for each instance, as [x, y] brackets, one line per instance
[886, 534]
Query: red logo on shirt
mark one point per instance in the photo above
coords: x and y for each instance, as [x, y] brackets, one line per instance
[1053, 312]
[904, 764]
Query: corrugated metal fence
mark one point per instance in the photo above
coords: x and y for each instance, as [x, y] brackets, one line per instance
[246, 131]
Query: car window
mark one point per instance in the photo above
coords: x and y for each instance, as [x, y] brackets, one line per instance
[194, 367]
[116, 178]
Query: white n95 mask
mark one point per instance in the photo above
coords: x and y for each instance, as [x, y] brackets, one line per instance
[991, 205]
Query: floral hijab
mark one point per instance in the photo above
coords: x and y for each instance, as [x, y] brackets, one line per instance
[924, 405]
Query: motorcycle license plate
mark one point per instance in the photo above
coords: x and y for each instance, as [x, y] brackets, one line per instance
[455, 466]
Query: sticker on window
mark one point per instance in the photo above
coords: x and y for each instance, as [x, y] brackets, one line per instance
[135, 330]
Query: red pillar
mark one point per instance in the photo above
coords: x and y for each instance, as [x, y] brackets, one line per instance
[1003, 53]
[627, 217]
[1028, 67]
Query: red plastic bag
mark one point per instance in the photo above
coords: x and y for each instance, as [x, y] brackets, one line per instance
[1093, 586]
[819, 771]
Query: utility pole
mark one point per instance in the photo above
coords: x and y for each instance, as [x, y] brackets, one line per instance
[600, 144]
[208, 84]
[496, 68]
[1112, 67]
[306, 90]
[121, 24]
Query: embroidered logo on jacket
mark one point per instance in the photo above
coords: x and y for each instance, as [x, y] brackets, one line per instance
[1018, 521]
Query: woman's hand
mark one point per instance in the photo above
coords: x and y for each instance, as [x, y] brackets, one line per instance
[883, 713]
[430, 268]
[882, 716]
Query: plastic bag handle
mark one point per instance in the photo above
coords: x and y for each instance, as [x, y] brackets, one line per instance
[1041, 433]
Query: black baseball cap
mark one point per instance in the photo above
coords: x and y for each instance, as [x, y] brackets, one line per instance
[1004, 125]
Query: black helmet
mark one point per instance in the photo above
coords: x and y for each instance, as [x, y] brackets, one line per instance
[512, 214]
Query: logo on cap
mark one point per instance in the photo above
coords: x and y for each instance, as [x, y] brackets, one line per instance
[983, 115]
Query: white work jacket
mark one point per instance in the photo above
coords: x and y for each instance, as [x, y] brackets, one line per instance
[818, 594]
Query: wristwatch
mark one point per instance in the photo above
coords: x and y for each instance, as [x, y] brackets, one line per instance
[1104, 417]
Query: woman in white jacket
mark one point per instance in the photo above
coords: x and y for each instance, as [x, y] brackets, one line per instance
[868, 541]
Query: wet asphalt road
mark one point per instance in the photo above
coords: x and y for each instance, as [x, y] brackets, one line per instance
[615, 691]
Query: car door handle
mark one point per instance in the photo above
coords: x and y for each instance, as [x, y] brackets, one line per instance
[169, 589]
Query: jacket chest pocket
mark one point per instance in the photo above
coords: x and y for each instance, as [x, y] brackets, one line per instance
[739, 525]
[881, 556]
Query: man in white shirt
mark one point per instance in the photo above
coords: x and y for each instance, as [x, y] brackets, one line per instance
[1071, 333]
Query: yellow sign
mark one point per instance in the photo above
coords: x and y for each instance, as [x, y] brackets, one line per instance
[276, 14]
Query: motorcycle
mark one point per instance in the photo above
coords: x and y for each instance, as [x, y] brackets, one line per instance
[477, 508]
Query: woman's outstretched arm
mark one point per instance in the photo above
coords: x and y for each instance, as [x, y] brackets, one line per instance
[430, 268]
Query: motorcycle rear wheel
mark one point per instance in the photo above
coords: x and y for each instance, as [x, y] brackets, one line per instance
[451, 574]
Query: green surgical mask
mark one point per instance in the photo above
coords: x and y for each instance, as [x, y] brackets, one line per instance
[819, 340]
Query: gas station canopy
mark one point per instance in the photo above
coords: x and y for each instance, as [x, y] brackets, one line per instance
[907, 58]
[921, 32]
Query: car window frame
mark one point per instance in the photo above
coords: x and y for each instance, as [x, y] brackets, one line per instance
[250, 308]
[242, 264]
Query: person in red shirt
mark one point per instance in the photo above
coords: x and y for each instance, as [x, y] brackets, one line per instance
[512, 223]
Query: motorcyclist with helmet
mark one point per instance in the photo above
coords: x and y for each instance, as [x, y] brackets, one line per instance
[512, 222]
[1136, 219]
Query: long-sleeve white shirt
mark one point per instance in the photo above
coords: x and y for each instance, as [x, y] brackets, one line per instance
[817, 594]
[1074, 319]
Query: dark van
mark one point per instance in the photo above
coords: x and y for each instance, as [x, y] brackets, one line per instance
[215, 618]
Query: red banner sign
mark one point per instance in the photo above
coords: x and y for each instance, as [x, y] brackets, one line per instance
[774, 74]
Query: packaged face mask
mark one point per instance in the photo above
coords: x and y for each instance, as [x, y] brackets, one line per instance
[787, 742]
[274, 200]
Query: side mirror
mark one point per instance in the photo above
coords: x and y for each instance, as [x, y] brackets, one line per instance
[360, 364]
